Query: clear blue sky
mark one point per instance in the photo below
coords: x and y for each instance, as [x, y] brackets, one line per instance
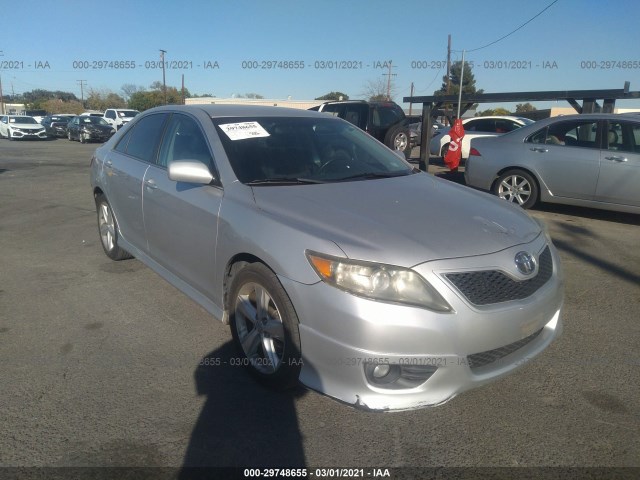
[363, 32]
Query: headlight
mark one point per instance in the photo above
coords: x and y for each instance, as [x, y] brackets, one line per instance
[377, 281]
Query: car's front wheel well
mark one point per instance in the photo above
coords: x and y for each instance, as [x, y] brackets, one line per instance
[237, 263]
[97, 191]
[506, 169]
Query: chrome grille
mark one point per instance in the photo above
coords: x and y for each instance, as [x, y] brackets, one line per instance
[478, 360]
[493, 286]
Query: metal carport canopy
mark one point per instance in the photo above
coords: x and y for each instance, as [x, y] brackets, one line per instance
[431, 104]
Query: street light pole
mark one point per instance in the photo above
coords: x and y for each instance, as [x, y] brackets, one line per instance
[164, 84]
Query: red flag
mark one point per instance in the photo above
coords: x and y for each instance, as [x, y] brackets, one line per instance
[454, 153]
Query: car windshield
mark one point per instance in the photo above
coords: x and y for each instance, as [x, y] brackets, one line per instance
[29, 120]
[286, 150]
[94, 120]
[127, 113]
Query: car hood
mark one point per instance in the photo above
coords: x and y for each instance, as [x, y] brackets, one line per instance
[402, 221]
[26, 126]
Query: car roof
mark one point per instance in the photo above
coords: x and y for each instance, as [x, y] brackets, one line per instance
[221, 111]
[588, 116]
[505, 117]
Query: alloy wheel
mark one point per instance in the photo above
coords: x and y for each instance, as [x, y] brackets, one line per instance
[259, 328]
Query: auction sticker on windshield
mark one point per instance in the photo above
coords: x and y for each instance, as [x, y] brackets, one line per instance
[244, 130]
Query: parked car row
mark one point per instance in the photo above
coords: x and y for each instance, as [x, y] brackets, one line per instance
[83, 128]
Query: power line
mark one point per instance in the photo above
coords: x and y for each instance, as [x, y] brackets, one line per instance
[514, 31]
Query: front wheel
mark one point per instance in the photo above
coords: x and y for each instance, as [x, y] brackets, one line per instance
[264, 326]
[108, 229]
[399, 138]
[517, 186]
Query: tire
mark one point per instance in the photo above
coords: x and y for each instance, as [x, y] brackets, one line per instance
[444, 150]
[108, 231]
[81, 138]
[517, 186]
[69, 135]
[398, 138]
[269, 347]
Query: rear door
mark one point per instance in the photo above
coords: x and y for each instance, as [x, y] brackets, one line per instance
[126, 165]
[181, 219]
[619, 180]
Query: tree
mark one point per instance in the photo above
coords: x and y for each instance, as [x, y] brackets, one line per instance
[36, 98]
[334, 96]
[129, 89]
[525, 107]
[468, 82]
[55, 105]
[143, 100]
[103, 99]
[376, 90]
[501, 111]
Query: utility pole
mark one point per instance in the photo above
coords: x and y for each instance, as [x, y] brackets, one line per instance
[449, 65]
[183, 89]
[164, 84]
[82, 84]
[389, 75]
[1, 97]
[411, 104]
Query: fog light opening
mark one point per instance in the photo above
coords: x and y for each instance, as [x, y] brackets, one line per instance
[381, 371]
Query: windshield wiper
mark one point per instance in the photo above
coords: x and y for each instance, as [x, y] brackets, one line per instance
[284, 181]
[372, 175]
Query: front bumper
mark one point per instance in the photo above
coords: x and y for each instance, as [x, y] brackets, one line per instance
[22, 134]
[97, 136]
[344, 337]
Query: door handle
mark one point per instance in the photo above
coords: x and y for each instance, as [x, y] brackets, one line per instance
[617, 159]
[150, 184]
[539, 149]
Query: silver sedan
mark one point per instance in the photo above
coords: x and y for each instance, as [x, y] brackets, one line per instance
[590, 160]
[333, 260]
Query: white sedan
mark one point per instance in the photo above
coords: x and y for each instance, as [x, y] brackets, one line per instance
[477, 127]
[21, 126]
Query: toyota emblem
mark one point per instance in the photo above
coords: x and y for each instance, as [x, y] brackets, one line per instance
[525, 262]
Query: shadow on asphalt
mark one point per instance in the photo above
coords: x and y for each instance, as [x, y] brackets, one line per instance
[242, 424]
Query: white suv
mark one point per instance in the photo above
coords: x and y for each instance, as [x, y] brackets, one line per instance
[117, 117]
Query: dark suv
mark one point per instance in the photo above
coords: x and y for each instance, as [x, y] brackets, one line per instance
[384, 121]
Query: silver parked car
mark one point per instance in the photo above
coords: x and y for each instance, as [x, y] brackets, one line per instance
[590, 160]
[334, 261]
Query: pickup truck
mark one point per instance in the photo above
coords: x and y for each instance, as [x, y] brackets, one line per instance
[118, 117]
[384, 121]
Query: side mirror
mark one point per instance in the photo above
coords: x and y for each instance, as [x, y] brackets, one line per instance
[190, 171]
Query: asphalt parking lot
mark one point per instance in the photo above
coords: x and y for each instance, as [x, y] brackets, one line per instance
[105, 364]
